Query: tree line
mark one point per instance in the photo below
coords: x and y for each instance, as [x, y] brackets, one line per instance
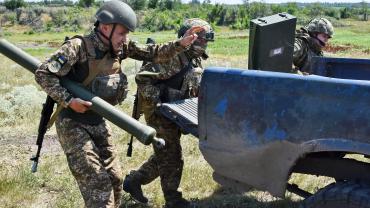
[157, 15]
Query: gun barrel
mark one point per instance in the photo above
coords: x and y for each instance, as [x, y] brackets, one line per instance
[143, 133]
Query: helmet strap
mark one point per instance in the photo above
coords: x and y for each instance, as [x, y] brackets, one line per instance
[321, 42]
[314, 35]
[108, 38]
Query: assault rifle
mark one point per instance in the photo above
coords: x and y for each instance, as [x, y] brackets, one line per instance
[46, 112]
[136, 108]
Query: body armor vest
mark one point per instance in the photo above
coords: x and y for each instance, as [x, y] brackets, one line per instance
[102, 75]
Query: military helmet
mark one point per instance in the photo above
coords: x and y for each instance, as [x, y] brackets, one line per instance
[320, 25]
[118, 12]
[209, 34]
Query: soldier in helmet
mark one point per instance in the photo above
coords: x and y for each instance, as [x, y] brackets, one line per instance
[176, 79]
[94, 61]
[309, 42]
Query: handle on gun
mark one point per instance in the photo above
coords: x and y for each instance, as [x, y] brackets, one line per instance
[34, 166]
[158, 142]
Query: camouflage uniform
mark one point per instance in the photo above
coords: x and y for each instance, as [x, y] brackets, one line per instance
[177, 79]
[306, 44]
[304, 49]
[86, 137]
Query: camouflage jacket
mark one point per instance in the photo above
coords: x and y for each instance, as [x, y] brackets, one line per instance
[74, 52]
[304, 49]
[159, 83]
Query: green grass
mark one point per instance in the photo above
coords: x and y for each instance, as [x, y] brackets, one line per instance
[17, 188]
[351, 37]
[53, 184]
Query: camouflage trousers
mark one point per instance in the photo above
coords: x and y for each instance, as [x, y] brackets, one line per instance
[167, 163]
[92, 161]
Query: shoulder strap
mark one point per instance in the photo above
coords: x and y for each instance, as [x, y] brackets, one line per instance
[91, 55]
[87, 43]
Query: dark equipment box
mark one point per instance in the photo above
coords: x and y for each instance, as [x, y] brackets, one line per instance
[271, 43]
[343, 68]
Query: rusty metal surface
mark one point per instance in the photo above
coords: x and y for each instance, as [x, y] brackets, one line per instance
[254, 125]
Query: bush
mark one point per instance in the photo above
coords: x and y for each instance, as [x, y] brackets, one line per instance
[25, 16]
[137, 4]
[21, 102]
[9, 17]
[14, 4]
[157, 21]
[86, 3]
[2, 9]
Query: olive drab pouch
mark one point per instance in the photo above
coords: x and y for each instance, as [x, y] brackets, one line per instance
[111, 88]
[191, 83]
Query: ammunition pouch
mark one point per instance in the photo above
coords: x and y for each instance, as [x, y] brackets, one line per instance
[111, 88]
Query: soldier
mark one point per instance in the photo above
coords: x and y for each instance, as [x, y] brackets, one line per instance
[309, 42]
[177, 79]
[95, 61]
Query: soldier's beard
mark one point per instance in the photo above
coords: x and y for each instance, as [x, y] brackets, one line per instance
[196, 51]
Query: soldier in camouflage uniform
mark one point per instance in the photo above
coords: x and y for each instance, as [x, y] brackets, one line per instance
[309, 42]
[95, 61]
[177, 79]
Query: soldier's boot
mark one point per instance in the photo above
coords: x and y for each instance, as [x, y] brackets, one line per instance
[180, 203]
[133, 187]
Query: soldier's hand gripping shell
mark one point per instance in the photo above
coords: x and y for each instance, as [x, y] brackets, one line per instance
[158, 142]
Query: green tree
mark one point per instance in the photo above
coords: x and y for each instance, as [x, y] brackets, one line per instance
[258, 9]
[316, 10]
[292, 8]
[137, 4]
[168, 4]
[231, 17]
[217, 14]
[364, 10]
[345, 13]
[332, 12]
[86, 3]
[14, 4]
[276, 8]
[207, 2]
[152, 4]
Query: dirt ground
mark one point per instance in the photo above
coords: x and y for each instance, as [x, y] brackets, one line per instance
[16, 149]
